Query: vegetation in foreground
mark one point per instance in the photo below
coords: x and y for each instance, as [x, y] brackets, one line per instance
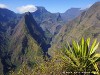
[77, 57]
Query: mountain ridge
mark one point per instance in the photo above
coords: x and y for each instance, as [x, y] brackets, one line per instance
[86, 25]
[26, 36]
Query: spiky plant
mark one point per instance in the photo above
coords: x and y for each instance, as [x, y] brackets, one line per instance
[82, 56]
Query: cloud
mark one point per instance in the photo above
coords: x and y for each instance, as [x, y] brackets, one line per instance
[27, 8]
[3, 6]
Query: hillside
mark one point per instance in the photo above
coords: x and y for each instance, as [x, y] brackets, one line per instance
[35, 40]
[86, 25]
[26, 43]
[8, 20]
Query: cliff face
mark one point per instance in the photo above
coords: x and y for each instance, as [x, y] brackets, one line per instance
[28, 40]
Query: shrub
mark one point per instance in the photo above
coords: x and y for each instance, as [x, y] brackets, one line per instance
[81, 57]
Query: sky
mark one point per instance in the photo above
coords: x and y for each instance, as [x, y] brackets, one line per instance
[21, 6]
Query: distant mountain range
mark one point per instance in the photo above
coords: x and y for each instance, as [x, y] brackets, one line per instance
[50, 21]
[86, 25]
[26, 36]
[71, 14]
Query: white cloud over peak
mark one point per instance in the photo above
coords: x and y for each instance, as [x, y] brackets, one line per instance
[27, 8]
[3, 6]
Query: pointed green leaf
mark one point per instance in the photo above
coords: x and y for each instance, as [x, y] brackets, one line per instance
[88, 41]
[95, 47]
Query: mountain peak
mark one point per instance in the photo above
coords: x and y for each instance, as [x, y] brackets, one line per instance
[29, 25]
[95, 5]
[59, 18]
[27, 13]
[72, 10]
[92, 10]
[28, 17]
[41, 9]
[71, 13]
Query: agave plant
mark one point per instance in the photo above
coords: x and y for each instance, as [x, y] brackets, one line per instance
[82, 55]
